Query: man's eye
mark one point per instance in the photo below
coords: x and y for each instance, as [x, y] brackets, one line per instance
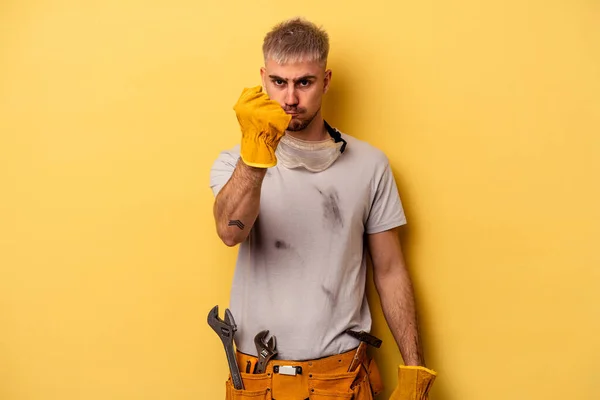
[278, 82]
[304, 83]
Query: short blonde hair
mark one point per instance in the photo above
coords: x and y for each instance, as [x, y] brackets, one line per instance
[296, 40]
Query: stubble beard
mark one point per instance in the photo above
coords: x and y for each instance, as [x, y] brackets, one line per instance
[297, 125]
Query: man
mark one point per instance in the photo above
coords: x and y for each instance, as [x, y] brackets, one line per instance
[306, 203]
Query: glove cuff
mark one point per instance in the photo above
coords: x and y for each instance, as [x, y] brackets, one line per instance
[418, 367]
[256, 153]
[258, 164]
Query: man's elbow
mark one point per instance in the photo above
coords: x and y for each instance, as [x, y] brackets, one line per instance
[229, 239]
[230, 242]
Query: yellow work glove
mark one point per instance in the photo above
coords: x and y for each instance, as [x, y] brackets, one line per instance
[263, 122]
[413, 383]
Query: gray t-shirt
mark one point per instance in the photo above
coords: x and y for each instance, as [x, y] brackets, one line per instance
[301, 273]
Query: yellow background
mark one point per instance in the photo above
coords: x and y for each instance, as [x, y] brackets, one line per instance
[112, 112]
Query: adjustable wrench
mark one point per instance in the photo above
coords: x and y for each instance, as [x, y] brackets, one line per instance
[226, 329]
[266, 350]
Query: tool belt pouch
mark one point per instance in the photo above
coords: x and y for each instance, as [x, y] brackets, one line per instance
[256, 387]
[362, 384]
[332, 386]
[375, 380]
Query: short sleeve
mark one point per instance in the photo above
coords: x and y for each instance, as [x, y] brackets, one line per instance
[386, 210]
[223, 168]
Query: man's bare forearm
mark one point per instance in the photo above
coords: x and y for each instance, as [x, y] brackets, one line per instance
[237, 204]
[398, 305]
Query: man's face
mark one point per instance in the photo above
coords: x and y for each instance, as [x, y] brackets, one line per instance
[298, 87]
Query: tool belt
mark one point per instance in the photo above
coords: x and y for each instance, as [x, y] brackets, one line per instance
[322, 379]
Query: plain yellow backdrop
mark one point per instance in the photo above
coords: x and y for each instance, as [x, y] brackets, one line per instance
[111, 114]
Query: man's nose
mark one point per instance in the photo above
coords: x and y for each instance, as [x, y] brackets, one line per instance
[291, 99]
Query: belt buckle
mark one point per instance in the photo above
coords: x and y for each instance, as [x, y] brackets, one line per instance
[289, 370]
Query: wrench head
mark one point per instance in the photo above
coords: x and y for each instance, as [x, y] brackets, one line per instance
[224, 328]
[259, 339]
[265, 350]
[268, 349]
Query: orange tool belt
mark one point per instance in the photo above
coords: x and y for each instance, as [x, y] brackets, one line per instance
[323, 379]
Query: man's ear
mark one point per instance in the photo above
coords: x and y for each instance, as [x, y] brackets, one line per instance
[327, 81]
[262, 77]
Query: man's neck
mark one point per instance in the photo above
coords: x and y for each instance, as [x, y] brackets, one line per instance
[315, 131]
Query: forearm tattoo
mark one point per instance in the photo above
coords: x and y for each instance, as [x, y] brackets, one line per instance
[237, 223]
